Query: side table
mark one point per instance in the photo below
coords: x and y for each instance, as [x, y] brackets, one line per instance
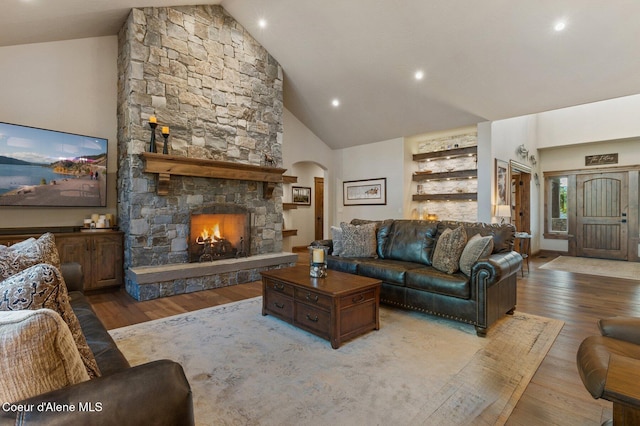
[523, 246]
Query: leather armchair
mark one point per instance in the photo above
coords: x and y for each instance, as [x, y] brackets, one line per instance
[617, 347]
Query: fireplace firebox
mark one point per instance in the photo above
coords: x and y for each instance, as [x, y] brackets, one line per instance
[219, 231]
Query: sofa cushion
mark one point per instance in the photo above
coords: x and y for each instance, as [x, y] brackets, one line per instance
[24, 254]
[446, 257]
[477, 248]
[503, 234]
[358, 240]
[409, 240]
[42, 286]
[38, 354]
[336, 237]
[389, 271]
[431, 280]
[343, 264]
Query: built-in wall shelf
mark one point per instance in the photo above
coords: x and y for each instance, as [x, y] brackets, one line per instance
[456, 174]
[166, 165]
[447, 153]
[289, 179]
[289, 232]
[289, 206]
[457, 196]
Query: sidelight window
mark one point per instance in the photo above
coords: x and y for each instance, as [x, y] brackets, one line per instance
[557, 203]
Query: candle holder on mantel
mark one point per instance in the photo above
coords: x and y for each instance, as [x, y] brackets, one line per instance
[165, 135]
[153, 123]
[318, 261]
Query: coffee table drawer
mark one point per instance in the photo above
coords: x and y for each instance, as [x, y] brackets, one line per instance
[357, 298]
[313, 298]
[278, 286]
[313, 318]
[279, 304]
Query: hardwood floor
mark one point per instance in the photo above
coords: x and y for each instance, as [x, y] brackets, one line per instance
[555, 395]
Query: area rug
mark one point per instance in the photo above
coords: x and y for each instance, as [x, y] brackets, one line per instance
[600, 267]
[246, 369]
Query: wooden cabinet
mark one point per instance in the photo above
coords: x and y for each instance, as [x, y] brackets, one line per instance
[100, 254]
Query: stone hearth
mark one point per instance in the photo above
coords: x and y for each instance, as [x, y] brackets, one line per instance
[166, 280]
[220, 93]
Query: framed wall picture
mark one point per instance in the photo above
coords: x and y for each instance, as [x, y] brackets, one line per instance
[365, 192]
[301, 195]
[502, 182]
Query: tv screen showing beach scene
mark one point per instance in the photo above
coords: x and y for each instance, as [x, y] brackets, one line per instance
[47, 168]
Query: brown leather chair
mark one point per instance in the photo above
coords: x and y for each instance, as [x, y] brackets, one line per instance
[609, 366]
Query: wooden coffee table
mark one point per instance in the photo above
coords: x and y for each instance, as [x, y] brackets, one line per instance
[338, 307]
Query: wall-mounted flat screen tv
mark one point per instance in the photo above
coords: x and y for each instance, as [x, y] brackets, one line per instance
[47, 168]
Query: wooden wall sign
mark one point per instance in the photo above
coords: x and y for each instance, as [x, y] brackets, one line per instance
[597, 160]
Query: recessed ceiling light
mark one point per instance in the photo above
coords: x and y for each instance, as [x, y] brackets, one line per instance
[419, 75]
[335, 103]
[262, 23]
[559, 26]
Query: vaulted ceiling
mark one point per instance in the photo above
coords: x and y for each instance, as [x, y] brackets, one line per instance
[481, 60]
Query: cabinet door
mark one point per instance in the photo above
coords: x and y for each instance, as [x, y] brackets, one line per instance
[76, 249]
[107, 265]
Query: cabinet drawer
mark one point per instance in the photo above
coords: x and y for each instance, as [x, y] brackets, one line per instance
[357, 298]
[313, 318]
[279, 304]
[278, 286]
[313, 298]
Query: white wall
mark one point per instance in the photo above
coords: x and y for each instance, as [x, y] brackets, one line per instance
[598, 121]
[299, 144]
[384, 159]
[506, 136]
[70, 86]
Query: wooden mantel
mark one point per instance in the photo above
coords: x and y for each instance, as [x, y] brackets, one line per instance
[166, 165]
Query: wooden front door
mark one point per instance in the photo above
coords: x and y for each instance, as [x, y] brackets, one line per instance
[601, 219]
[521, 202]
[319, 208]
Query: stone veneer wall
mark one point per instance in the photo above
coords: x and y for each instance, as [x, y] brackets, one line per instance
[451, 210]
[200, 73]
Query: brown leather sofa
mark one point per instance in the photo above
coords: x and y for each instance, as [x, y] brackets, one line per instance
[156, 393]
[403, 264]
[618, 345]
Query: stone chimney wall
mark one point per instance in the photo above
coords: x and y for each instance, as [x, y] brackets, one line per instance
[203, 75]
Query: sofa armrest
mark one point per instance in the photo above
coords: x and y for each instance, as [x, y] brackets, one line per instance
[72, 274]
[156, 393]
[621, 328]
[497, 266]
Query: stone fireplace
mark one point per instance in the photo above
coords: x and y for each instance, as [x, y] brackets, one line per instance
[220, 93]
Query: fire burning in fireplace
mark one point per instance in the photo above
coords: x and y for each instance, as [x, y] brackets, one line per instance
[217, 236]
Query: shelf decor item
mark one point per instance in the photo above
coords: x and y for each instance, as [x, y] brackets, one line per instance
[365, 192]
[165, 135]
[301, 195]
[153, 123]
[318, 261]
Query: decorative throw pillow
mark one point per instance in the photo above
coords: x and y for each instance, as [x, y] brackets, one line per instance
[38, 354]
[477, 247]
[336, 236]
[446, 256]
[22, 255]
[358, 240]
[42, 286]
